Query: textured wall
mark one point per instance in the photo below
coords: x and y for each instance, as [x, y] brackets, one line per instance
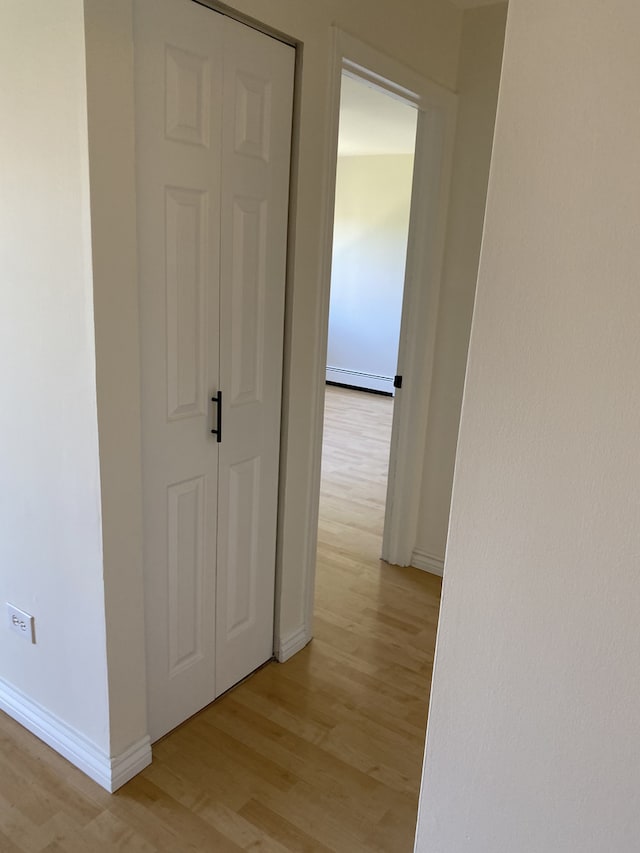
[532, 742]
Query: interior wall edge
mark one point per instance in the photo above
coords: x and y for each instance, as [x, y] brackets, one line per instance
[111, 139]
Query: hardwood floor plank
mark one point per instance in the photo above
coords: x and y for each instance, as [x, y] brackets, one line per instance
[30, 837]
[278, 827]
[175, 827]
[230, 822]
[308, 762]
[330, 823]
[110, 832]
[7, 845]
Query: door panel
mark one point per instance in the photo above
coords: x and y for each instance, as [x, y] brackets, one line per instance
[187, 96]
[247, 300]
[186, 285]
[258, 100]
[239, 603]
[185, 573]
[178, 47]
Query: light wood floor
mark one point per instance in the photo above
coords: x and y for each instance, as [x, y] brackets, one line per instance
[322, 753]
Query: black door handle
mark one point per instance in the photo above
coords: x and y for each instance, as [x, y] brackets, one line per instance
[218, 430]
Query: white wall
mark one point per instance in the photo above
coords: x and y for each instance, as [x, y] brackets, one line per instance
[373, 198]
[69, 448]
[532, 742]
[478, 79]
[50, 514]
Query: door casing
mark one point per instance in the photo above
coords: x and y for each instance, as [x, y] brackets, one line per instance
[437, 109]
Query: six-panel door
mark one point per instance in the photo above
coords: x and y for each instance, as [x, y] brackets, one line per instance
[213, 118]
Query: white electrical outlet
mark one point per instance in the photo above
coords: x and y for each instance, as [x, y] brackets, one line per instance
[22, 623]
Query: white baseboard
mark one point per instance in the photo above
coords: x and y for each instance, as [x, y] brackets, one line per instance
[110, 773]
[287, 647]
[427, 562]
[361, 380]
[130, 762]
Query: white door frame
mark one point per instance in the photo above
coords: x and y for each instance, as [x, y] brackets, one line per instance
[437, 109]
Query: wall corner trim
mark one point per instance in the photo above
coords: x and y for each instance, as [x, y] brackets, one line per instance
[110, 773]
[288, 646]
[130, 762]
[427, 562]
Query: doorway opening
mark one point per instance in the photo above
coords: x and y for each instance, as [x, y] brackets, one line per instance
[435, 111]
[374, 173]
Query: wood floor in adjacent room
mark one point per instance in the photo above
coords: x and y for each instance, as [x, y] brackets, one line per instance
[322, 753]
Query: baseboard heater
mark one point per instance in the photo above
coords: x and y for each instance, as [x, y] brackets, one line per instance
[360, 381]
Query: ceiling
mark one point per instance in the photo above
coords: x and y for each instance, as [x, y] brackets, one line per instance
[373, 122]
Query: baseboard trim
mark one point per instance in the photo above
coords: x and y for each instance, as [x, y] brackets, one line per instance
[289, 646]
[427, 562]
[130, 762]
[110, 773]
[359, 379]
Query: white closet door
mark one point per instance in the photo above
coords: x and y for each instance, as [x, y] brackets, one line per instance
[203, 108]
[178, 48]
[257, 106]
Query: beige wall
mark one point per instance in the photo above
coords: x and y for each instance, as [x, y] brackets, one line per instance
[533, 729]
[50, 519]
[478, 80]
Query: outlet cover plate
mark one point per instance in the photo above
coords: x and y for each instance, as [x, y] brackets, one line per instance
[22, 623]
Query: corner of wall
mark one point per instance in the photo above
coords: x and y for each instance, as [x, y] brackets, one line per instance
[111, 130]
